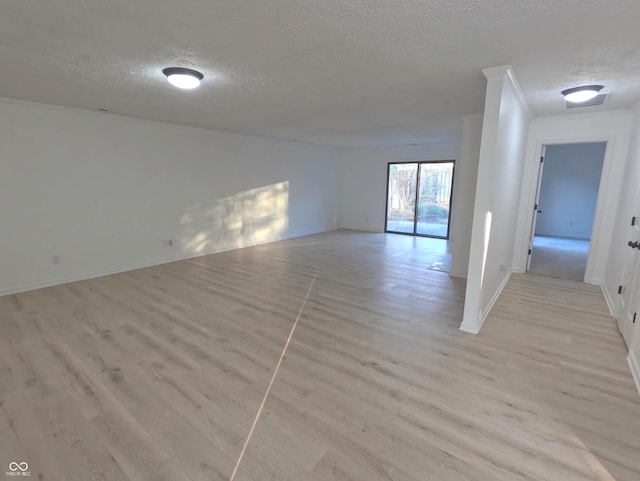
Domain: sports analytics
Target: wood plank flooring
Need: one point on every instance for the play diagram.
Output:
(157, 374)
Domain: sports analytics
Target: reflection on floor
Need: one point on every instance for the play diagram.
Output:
(432, 253)
(438, 229)
(557, 257)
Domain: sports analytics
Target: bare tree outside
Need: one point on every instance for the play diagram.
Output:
(402, 191)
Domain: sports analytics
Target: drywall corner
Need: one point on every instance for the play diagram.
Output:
(464, 191)
(504, 132)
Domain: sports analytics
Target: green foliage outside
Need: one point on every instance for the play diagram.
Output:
(433, 213)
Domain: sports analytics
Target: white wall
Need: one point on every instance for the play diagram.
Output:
(504, 132)
(569, 190)
(85, 193)
(611, 127)
(362, 175)
(464, 193)
(621, 257)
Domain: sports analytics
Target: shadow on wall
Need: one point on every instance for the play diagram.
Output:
(248, 218)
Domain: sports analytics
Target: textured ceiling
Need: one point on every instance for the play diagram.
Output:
(343, 73)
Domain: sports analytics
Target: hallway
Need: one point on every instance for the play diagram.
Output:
(563, 363)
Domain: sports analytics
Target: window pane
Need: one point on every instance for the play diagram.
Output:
(435, 195)
(401, 203)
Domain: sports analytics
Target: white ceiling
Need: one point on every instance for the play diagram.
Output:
(338, 72)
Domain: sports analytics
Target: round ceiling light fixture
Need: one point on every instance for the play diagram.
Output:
(183, 78)
(585, 93)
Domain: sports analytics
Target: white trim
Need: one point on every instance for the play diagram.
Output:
(483, 315)
(470, 329)
(506, 71)
(499, 71)
(516, 269)
(634, 365)
(493, 300)
(515, 85)
(461, 275)
(83, 277)
(608, 298)
(142, 265)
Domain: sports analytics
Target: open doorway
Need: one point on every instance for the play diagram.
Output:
(566, 199)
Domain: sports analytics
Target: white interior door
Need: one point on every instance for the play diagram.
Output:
(536, 210)
(631, 302)
(631, 287)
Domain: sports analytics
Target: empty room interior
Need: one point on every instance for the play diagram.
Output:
(565, 209)
(355, 241)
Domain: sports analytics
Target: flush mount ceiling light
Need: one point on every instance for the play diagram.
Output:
(581, 94)
(183, 78)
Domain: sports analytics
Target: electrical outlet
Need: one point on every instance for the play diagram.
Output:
(170, 242)
(503, 267)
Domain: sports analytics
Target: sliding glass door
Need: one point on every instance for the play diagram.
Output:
(419, 198)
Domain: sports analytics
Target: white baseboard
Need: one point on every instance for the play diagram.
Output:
(475, 329)
(461, 275)
(84, 277)
(142, 265)
(496, 295)
(609, 299)
(634, 365)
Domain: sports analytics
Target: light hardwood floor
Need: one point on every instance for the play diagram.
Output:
(157, 374)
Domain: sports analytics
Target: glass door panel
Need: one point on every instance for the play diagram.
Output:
(434, 201)
(401, 198)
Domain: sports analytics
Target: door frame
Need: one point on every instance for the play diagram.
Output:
(536, 209)
(415, 217)
(597, 245)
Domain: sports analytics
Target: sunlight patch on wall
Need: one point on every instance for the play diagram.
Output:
(485, 249)
(247, 218)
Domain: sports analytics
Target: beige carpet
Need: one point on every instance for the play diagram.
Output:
(557, 257)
